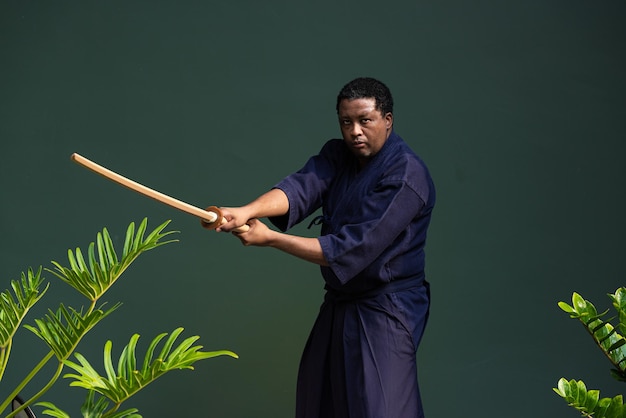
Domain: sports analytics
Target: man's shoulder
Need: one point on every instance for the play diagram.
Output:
(401, 156)
(333, 144)
(335, 150)
(403, 165)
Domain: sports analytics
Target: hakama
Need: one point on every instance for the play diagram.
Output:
(359, 360)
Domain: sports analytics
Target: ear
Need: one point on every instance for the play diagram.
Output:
(388, 120)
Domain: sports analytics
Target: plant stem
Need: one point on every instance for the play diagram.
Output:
(26, 380)
(112, 411)
(599, 344)
(4, 358)
(46, 388)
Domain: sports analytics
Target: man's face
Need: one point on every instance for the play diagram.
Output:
(364, 128)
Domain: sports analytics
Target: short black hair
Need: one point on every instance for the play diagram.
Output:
(366, 88)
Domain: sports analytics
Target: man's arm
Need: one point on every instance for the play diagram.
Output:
(260, 235)
(272, 203)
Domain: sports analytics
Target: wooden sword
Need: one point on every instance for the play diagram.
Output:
(210, 218)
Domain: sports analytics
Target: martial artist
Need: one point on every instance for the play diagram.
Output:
(376, 197)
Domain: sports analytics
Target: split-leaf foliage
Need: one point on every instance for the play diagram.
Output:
(92, 274)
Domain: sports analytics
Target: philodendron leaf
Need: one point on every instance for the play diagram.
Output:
(88, 411)
(121, 384)
(93, 276)
(62, 330)
(52, 410)
(14, 307)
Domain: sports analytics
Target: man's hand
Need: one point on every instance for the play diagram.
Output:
(272, 203)
(234, 217)
(258, 235)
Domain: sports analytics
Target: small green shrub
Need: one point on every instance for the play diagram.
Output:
(609, 340)
(92, 274)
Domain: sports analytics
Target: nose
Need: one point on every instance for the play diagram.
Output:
(355, 130)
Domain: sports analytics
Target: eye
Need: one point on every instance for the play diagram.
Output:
(365, 121)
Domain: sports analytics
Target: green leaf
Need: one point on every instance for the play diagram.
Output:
(567, 308)
(605, 335)
(615, 408)
(104, 267)
(92, 271)
(589, 402)
(619, 343)
(574, 388)
(592, 400)
(619, 303)
(618, 375)
(14, 307)
(52, 410)
(109, 249)
(579, 304)
(150, 353)
(601, 408)
(597, 327)
(562, 387)
(90, 409)
(120, 386)
(63, 329)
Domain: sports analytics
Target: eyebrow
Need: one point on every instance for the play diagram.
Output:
(366, 115)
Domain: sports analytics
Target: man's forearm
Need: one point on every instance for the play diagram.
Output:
(308, 249)
(272, 203)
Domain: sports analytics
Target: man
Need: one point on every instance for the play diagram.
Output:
(376, 197)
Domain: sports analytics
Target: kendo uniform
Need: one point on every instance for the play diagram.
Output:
(359, 360)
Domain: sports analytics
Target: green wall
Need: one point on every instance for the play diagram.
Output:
(517, 107)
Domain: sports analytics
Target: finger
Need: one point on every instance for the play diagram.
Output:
(243, 229)
(228, 224)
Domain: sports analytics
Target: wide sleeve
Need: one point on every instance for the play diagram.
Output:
(306, 188)
(383, 218)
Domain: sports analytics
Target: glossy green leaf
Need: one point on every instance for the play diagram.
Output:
(587, 402)
(591, 401)
(578, 302)
(613, 345)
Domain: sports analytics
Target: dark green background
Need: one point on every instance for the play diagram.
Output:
(518, 108)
